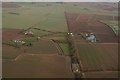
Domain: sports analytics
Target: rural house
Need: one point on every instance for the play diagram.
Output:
(91, 38)
(29, 33)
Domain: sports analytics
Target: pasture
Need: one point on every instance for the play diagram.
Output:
(42, 46)
(48, 16)
(114, 25)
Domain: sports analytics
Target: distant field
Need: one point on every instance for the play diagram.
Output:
(50, 16)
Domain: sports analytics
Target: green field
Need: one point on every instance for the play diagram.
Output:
(114, 25)
(65, 48)
(42, 47)
(48, 16)
(97, 57)
(39, 32)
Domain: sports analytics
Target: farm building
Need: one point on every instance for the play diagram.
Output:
(71, 34)
(91, 38)
(29, 33)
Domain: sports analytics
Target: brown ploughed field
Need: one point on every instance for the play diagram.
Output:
(82, 23)
(38, 66)
(100, 59)
(11, 34)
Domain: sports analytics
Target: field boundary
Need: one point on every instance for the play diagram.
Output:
(108, 27)
(60, 51)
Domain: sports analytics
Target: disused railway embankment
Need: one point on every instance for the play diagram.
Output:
(75, 62)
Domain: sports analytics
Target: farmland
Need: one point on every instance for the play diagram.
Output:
(17, 59)
(39, 46)
(96, 58)
(34, 66)
(86, 23)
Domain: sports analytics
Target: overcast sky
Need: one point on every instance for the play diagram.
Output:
(60, 0)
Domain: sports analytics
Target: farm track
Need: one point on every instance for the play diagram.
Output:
(26, 54)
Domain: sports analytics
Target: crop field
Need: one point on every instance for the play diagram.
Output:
(10, 53)
(34, 66)
(28, 16)
(42, 46)
(103, 74)
(82, 23)
(46, 53)
(38, 46)
(41, 60)
(40, 32)
(114, 25)
(98, 59)
(65, 48)
(11, 34)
